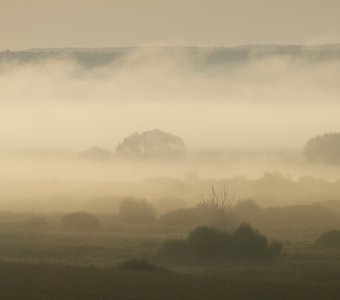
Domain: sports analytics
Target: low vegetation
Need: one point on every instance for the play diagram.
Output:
(206, 243)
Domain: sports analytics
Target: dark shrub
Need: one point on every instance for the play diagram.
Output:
(329, 239)
(136, 212)
(209, 242)
(249, 242)
(80, 221)
(141, 265)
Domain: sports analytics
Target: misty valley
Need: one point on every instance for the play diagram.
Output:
(170, 173)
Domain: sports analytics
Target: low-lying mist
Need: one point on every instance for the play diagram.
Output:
(241, 112)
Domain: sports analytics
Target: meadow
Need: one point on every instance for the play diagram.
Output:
(52, 263)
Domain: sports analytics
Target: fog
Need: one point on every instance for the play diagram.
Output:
(274, 102)
(239, 116)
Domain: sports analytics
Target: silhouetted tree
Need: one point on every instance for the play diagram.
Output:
(323, 148)
(151, 144)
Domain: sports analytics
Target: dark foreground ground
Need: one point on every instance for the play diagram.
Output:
(42, 281)
(53, 264)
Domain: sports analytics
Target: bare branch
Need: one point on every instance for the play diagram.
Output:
(216, 204)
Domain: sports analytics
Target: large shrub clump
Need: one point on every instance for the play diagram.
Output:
(211, 243)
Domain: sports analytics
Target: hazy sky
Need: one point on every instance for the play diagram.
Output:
(88, 23)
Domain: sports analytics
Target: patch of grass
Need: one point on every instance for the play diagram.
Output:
(43, 281)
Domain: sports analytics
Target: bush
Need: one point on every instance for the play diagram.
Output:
(80, 221)
(330, 239)
(249, 242)
(136, 212)
(209, 243)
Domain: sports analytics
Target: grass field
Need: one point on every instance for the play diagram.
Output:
(43, 281)
(56, 264)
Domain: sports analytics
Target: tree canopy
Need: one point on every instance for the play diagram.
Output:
(323, 148)
(152, 144)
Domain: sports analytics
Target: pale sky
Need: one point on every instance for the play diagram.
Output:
(104, 23)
